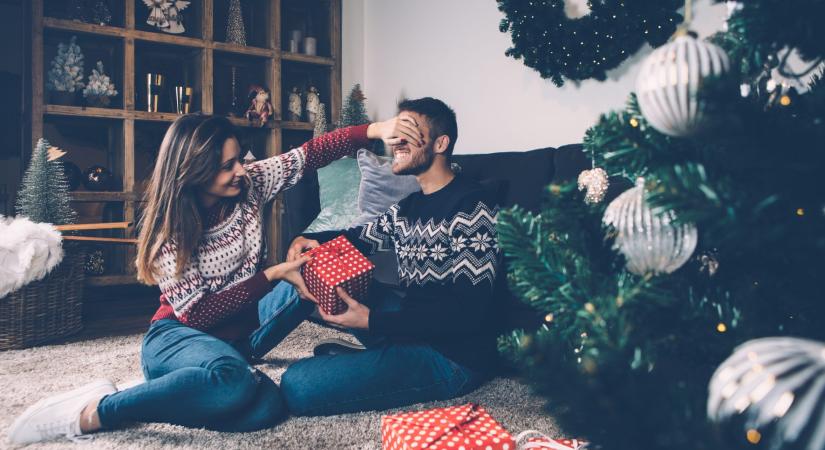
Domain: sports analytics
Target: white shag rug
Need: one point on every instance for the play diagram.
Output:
(28, 375)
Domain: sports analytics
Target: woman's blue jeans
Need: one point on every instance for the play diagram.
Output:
(197, 380)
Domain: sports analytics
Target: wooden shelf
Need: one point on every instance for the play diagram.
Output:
(154, 116)
(160, 38)
(103, 196)
(163, 38)
(307, 59)
(126, 138)
(170, 117)
(79, 111)
(297, 126)
(245, 123)
(111, 280)
(81, 27)
(244, 50)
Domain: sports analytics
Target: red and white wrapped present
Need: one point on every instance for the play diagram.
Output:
(532, 439)
(468, 426)
(337, 263)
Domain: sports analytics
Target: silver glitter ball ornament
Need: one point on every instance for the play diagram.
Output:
(669, 81)
(651, 242)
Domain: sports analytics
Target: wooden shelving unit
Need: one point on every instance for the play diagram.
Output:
(123, 136)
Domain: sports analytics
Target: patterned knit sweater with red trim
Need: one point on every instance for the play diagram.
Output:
(221, 284)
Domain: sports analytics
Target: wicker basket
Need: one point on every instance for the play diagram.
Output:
(47, 309)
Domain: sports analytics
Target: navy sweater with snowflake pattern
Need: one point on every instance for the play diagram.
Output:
(448, 259)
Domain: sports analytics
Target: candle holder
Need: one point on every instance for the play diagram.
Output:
(310, 46)
(183, 99)
(295, 38)
(154, 87)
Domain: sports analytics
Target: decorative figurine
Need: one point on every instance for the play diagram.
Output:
(174, 17)
(98, 178)
(313, 104)
(294, 105)
(157, 13)
(260, 108)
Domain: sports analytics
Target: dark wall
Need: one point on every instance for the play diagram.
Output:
(14, 54)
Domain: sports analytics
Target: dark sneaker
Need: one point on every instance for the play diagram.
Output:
(336, 347)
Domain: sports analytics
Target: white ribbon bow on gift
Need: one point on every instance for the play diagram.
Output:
(548, 443)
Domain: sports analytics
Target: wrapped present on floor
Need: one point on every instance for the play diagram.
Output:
(536, 440)
(337, 263)
(453, 428)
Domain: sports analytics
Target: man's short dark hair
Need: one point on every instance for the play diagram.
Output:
(440, 117)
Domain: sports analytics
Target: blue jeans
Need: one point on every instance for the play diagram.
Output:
(197, 380)
(385, 375)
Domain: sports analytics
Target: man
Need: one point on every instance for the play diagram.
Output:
(435, 339)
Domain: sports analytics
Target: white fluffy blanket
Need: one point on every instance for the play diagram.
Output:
(28, 251)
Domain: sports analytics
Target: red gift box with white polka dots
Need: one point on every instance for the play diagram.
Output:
(337, 263)
(466, 427)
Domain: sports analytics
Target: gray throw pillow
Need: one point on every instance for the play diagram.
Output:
(380, 188)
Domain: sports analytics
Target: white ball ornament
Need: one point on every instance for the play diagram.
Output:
(776, 388)
(669, 82)
(650, 241)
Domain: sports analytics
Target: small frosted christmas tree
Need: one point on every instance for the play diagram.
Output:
(100, 85)
(44, 193)
(101, 14)
(320, 121)
(354, 111)
(235, 31)
(66, 73)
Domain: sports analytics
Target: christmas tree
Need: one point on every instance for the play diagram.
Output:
(101, 14)
(354, 111)
(44, 192)
(633, 319)
(99, 85)
(320, 121)
(66, 72)
(235, 31)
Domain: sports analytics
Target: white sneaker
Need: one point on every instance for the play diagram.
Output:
(58, 415)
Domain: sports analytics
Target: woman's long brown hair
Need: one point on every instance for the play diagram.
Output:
(188, 161)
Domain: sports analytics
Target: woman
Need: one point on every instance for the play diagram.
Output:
(201, 240)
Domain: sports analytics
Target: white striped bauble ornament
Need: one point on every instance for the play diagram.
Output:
(774, 388)
(669, 82)
(651, 242)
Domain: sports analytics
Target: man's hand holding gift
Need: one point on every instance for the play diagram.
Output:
(356, 316)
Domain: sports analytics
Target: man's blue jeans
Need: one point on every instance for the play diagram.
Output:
(197, 380)
(385, 375)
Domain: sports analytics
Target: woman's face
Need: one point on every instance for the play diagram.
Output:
(230, 177)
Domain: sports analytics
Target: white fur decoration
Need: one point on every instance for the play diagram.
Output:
(669, 82)
(28, 251)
